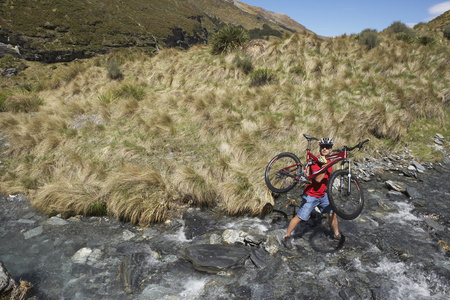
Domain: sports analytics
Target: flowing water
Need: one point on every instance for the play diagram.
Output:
(396, 249)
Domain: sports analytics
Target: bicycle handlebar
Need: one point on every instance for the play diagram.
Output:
(359, 146)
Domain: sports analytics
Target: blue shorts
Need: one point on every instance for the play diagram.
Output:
(310, 202)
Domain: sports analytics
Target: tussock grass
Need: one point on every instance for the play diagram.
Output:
(184, 128)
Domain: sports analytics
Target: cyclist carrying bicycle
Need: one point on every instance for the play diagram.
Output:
(315, 194)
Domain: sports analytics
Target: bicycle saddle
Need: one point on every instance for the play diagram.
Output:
(308, 137)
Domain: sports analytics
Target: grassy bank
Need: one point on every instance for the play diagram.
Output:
(141, 138)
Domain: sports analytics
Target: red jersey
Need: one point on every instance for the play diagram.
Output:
(318, 189)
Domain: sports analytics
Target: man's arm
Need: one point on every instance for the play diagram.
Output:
(319, 177)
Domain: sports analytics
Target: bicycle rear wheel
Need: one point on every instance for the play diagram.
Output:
(281, 172)
(346, 202)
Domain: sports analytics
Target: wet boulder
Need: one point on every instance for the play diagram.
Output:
(215, 258)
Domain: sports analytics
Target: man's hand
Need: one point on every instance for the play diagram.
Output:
(322, 160)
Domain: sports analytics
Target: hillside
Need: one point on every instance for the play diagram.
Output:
(56, 30)
(142, 137)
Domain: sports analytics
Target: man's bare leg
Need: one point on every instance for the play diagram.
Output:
(294, 222)
(332, 220)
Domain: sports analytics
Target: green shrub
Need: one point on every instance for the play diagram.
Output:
(406, 37)
(369, 38)
(245, 63)
(98, 208)
(447, 32)
(9, 61)
(21, 101)
(129, 90)
(261, 77)
(114, 72)
(228, 38)
(299, 70)
(398, 27)
(425, 40)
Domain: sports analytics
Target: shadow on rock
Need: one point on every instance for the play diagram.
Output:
(321, 241)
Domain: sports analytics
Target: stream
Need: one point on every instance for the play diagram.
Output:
(396, 249)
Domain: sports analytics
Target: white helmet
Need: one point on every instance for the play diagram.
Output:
(326, 141)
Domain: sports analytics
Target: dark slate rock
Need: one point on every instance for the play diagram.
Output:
(198, 223)
(347, 293)
(215, 258)
(260, 257)
(413, 193)
(395, 196)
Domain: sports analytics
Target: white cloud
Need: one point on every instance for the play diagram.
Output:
(439, 9)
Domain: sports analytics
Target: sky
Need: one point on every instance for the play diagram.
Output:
(338, 17)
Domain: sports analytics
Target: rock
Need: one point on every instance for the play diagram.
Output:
(271, 245)
(397, 186)
(232, 236)
(56, 221)
(155, 291)
(33, 232)
(215, 239)
(259, 257)
(434, 224)
(127, 235)
(170, 258)
(395, 196)
(413, 193)
(254, 239)
(439, 136)
(6, 281)
(215, 258)
(420, 168)
(9, 72)
(81, 256)
(410, 173)
(348, 293)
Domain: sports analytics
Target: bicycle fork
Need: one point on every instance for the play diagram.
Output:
(349, 177)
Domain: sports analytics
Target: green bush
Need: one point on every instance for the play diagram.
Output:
(244, 63)
(261, 77)
(228, 38)
(299, 70)
(114, 72)
(98, 208)
(425, 40)
(398, 27)
(369, 38)
(447, 32)
(21, 101)
(406, 37)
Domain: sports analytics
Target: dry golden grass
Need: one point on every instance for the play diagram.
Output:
(19, 291)
(184, 128)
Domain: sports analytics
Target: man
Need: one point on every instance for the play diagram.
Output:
(315, 194)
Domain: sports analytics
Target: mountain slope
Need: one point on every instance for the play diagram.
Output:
(61, 30)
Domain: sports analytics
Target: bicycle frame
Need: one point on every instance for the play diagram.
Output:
(334, 159)
(340, 156)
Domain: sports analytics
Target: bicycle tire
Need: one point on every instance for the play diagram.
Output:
(347, 206)
(282, 182)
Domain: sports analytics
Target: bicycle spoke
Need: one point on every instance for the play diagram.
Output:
(281, 173)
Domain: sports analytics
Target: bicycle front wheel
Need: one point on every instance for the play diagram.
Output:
(281, 172)
(345, 195)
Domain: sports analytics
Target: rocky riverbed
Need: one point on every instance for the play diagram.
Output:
(398, 248)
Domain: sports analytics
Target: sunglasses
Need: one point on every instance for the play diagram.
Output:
(326, 147)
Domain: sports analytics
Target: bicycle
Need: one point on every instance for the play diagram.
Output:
(345, 194)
